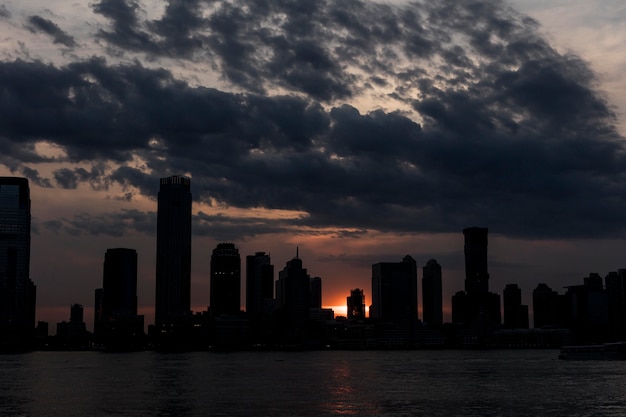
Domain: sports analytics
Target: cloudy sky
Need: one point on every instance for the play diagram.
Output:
(355, 130)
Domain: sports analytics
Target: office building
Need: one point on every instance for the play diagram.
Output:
(17, 291)
(315, 292)
(515, 313)
(259, 282)
(476, 303)
(476, 272)
(116, 320)
(432, 296)
(394, 291)
(225, 280)
(173, 256)
(546, 307)
(293, 294)
(356, 304)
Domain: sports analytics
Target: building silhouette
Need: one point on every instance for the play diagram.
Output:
(476, 305)
(225, 280)
(394, 291)
(73, 334)
(315, 292)
(515, 313)
(293, 297)
(547, 307)
(615, 283)
(117, 324)
(17, 291)
(356, 304)
(432, 296)
(173, 255)
(259, 282)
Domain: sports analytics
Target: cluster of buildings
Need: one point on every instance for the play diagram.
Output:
(287, 312)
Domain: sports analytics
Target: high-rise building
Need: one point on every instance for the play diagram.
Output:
(17, 291)
(476, 272)
(116, 321)
(356, 304)
(432, 304)
(476, 303)
(616, 293)
(394, 291)
(515, 313)
(173, 257)
(315, 292)
(225, 280)
(293, 294)
(259, 282)
(119, 283)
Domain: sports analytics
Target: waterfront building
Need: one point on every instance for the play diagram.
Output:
(476, 303)
(394, 291)
(432, 296)
(259, 282)
(17, 291)
(225, 280)
(173, 255)
(356, 304)
(515, 313)
(117, 322)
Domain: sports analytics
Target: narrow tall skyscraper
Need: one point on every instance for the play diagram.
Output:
(173, 258)
(476, 272)
(432, 304)
(17, 291)
(259, 282)
(225, 280)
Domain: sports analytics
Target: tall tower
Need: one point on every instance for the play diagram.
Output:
(225, 280)
(293, 293)
(515, 313)
(476, 275)
(173, 257)
(432, 304)
(259, 282)
(17, 291)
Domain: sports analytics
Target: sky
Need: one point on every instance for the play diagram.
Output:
(356, 131)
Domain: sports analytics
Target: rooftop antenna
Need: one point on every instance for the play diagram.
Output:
(297, 252)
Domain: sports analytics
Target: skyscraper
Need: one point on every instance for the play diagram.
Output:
(394, 291)
(117, 324)
(173, 257)
(476, 302)
(476, 275)
(293, 293)
(225, 280)
(432, 304)
(259, 282)
(17, 291)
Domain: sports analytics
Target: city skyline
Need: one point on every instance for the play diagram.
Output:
(359, 132)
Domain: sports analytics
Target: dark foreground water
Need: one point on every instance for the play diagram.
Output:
(406, 383)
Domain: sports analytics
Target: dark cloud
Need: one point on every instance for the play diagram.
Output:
(498, 128)
(39, 24)
(4, 12)
(35, 178)
(121, 223)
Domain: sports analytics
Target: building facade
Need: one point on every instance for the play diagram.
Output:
(394, 291)
(173, 257)
(225, 280)
(259, 282)
(432, 296)
(17, 291)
